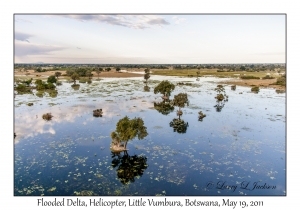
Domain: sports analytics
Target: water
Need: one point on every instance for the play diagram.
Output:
(240, 150)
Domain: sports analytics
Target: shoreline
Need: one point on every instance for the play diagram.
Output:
(263, 83)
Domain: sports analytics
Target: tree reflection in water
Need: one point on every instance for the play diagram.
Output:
(129, 167)
(164, 107)
(179, 125)
(146, 88)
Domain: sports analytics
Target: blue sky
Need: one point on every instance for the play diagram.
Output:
(139, 39)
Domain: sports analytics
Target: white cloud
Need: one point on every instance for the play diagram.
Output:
(178, 20)
(24, 49)
(130, 21)
(22, 36)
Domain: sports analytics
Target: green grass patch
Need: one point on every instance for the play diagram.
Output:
(249, 77)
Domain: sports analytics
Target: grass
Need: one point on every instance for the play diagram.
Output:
(207, 72)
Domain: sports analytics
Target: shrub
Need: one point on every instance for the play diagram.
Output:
(47, 116)
(249, 77)
(268, 77)
(51, 79)
(255, 89)
(280, 81)
(97, 113)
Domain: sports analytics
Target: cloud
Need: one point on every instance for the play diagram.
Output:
(130, 21)
(24, 49)
(178, 20)
(22, 36)
(22, 20)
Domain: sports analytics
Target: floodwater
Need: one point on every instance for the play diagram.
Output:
(238, 150)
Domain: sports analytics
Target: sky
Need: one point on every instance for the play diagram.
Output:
(148, 39)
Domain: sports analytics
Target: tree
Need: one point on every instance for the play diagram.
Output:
(165, 88)
(108, 69)
(98, 71)
(221, 97)
(180, 100)
(57, 74)
(118, 69)
(147, 75)
(51, 79)
(74, 77)
(89, 74)
(126, 130)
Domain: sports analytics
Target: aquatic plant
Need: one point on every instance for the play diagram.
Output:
(201, 116)
(30, 104)
(47, 116)
(126, 130)
(165, 87)
(233, 87)
(97, 113)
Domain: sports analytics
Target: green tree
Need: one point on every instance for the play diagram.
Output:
(180, 100)
(147, 75)
(108, 69)
(118, 69)
(57, 74)
(165, 88)
(51, 79)
(98, 71)
(89, 74)
(126, 130)
(74, 77)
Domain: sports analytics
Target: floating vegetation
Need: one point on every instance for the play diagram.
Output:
(97, 113)
(201, 116)
(52, 189)
(233, 87)
(30, 104)
(47, 116)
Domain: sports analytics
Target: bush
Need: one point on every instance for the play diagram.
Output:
(249, 77)
(47, 116)
(51, 79)
(268, 77)
(255, 89)
(280, 81)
